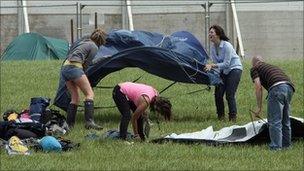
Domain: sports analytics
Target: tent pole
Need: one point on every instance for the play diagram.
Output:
(237, 26)
(123, 14)
(20, 18)
(209, 4)
(130, 16)
(95, 20)
(206, 27)
(167, 87)
(77, 19)
(80, 19)
(72, 31)
(25, 17)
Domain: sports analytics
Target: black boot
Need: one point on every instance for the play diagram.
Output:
(123, 127)
(88, 115)
(232, 117)
(221, 117)
(71, 115)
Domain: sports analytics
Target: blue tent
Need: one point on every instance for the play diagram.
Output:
(178, 57)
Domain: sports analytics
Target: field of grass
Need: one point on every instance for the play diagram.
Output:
(21, 80)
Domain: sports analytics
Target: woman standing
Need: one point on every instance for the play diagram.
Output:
(229, 64)
(138, 97)
(79, 57)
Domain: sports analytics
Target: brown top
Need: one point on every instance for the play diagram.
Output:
(269, 75)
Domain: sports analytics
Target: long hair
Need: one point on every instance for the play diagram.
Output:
(163, 106)
(99, 36)
(220, 32)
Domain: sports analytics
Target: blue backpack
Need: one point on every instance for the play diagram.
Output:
(37, 107)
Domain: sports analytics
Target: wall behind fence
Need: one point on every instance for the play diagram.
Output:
(274, 32)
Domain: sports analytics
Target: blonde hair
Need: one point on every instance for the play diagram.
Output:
(99, 36)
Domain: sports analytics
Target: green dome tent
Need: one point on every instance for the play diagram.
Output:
(33, 46)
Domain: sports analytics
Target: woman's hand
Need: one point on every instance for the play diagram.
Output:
(208, 67)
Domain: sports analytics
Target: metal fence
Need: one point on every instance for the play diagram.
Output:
(263, 30)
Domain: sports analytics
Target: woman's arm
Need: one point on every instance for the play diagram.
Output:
(141, 108)
(228, 52)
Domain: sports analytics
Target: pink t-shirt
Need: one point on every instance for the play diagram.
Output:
(133, 91)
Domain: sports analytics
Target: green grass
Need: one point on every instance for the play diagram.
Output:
(21, 80)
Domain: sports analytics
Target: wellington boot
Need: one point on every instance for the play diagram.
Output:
(71, 115)
(88, 114)
(232, 117)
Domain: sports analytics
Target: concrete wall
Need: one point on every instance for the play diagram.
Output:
(274, 31)
(273, 34)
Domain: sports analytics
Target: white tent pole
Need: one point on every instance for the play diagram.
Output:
(25, 16)
(123, 14)
(237, 26)
(130, 17)
(20, 18)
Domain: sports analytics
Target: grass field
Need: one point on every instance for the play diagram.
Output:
(22, 80)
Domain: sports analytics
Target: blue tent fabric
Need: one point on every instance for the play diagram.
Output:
(177, 57)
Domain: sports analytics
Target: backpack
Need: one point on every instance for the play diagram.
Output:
(38, 106)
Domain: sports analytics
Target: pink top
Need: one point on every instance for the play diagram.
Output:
(133, 91)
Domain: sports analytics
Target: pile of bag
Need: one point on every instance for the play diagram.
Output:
(36, 122)
(37, 126)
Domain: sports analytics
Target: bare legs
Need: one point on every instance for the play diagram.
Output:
(83, 84)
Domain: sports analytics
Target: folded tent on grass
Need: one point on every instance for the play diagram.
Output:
(34, 46)
(254, 132)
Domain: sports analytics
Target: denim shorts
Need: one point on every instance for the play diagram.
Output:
(71, 72)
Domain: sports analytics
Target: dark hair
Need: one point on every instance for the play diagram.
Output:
(163, 106)
(99, 37)
(219, 31)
